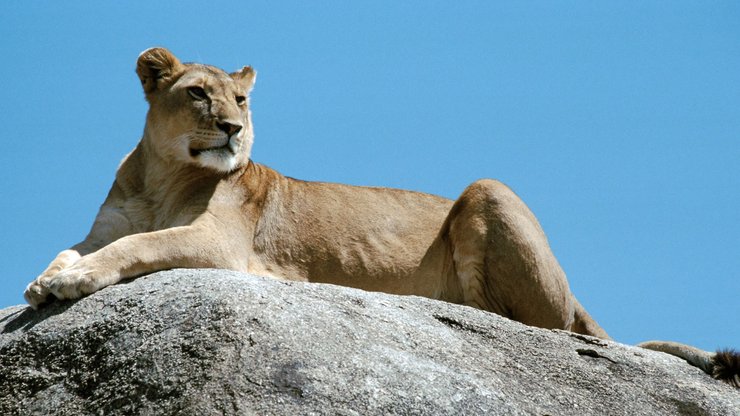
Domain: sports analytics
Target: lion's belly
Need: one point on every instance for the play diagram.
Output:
(380, 262)
(373, 239)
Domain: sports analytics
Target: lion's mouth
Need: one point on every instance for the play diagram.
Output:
(198, 152)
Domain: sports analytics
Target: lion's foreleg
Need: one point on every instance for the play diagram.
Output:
(139, 254)
(110, 224)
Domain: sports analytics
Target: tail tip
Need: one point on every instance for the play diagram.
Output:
(726, 366)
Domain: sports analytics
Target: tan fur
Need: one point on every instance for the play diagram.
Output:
(696, 357)
(175, 203)
(723, 365)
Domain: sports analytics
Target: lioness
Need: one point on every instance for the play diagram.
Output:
(188, 195)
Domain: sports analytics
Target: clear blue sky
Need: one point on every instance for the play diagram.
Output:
(617, 122)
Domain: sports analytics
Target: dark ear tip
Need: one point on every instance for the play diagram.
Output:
(246, 71)
(157, 57)
(247, 74)
(154, 51)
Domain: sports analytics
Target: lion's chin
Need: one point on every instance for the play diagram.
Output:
(221, 159)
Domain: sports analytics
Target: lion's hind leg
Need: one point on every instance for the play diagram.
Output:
(503, 262)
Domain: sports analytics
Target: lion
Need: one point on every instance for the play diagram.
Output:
(189, 196)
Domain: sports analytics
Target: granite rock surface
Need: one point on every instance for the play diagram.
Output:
(212, 342)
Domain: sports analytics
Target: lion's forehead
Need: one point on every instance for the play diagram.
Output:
(206, 76)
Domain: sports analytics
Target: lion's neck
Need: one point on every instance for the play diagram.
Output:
(163, 188)
(152, 177)
(257, 180)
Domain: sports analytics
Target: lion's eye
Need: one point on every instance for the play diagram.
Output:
(198, 93)
(241, 100)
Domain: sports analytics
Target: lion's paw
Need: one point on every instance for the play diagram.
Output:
(74, 282)
(70, 283)
(36, 292)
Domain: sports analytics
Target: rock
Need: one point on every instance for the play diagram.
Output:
(204, 342)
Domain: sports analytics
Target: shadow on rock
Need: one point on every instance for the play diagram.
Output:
(28, 317)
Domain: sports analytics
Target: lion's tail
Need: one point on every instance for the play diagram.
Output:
(584, 324)
(723, 365)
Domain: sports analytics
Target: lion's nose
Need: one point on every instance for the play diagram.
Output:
(229, 128)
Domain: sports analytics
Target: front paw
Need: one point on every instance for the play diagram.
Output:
(37, 293)
(73, 282)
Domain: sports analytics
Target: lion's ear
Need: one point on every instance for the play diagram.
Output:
(245, 77)
(155, 67)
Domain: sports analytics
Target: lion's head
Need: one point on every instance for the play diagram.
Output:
(198, 114)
